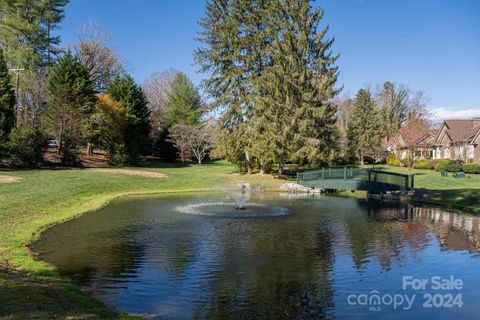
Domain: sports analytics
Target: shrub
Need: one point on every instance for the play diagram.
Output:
(396, 163)
(471, 168)
(391, 158)
(449, 165)
(442, 164)
(421, 164)
(117, 155)
(407, 162)
(454, 166)
(433, 163)
(26, 147)
(69, 149)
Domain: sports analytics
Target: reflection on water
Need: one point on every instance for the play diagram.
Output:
(142, 255)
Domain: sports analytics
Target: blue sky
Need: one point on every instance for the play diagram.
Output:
(429, 45)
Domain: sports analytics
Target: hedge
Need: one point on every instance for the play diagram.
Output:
(443, 164)
(471, 168)
(396, 163)
(421, 164)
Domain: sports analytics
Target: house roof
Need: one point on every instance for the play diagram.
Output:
(461, 130)
(388, 143)
(414, 132)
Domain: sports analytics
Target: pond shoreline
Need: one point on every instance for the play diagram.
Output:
(44, 198)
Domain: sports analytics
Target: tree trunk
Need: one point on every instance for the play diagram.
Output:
(281, 166)
(361, 159)
(248, 163)
(89, 149)
(262, 167)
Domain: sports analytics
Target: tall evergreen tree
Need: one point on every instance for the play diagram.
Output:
(26, 31)
(364, 127)
(137, 129)
(232, 53)
(72, 100)
(298, 86)
(7, 101)
(272, 74)
(184, 101)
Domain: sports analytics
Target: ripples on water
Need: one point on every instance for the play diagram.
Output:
(163, 258)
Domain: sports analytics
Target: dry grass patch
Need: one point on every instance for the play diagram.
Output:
(128, 172)
(9, 179)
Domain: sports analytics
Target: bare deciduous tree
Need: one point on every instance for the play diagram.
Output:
(103, 63)
(399, 104)
(196, 140)
(157, 88)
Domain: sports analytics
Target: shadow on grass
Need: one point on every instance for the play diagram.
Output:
(467, 200)
(30, 296)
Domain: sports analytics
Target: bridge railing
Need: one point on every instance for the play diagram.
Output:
(402, 181)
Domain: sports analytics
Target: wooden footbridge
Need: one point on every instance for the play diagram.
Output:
(351, 178)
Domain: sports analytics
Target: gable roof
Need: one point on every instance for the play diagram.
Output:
(476, 137)
(414, 132)
(462, 130)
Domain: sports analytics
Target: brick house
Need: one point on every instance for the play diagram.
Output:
(458, 140)
(415, 140)
(455, 140)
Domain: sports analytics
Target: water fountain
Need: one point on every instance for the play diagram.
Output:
(236, 204)
(243, 196)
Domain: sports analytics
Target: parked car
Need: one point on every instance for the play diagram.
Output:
(53, 143)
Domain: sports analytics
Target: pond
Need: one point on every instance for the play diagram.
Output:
(283, 257)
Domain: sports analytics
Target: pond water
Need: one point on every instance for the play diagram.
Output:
(308, 257)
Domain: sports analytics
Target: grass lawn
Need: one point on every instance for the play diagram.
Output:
(36, 199)
(31, 289)
(461, 194)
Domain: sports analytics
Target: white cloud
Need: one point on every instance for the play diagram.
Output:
(450, 113)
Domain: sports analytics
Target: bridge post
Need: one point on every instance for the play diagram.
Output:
(323, 173)
(412, 183)
(345, 173)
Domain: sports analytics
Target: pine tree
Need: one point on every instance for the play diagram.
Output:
(272, 75)
(72, 100)
(364, 127)
(184, 101)
(232, 54)
(137, 129)
(26, 31)
(7, 101)
(296, 89)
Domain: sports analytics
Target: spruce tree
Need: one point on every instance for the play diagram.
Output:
(296, 89)
(364, 127)
(273, 77)
(7, 101)
(184, 101)
(137, 129)
(72, 100)
(232, 53)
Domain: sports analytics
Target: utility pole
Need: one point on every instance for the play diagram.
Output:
(17, 72)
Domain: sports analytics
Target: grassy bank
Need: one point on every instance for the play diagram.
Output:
(30, 289)
(30, 201)
(459, 194)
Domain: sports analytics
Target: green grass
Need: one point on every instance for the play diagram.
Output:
(459, 194)
(30, 289)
